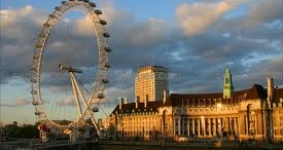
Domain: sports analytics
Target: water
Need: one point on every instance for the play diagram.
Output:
(115, 147)
(169, 148)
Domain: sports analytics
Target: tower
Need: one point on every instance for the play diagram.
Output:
(228, 84)
(150, 83)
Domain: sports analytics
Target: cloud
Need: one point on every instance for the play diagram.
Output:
(263, 11)
(66, 44)
(18, 103)
(22, 102)
(196, 50)
(113, 94)
(70, 101)
(262, 20)
(196, 18)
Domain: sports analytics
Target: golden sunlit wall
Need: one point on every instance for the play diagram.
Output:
(150, 82)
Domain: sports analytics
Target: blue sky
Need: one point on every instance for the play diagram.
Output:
(195, 39)
(141, 9)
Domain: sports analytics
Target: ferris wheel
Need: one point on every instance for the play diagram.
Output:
(86, 106)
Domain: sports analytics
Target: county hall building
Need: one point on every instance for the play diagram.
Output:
(254, 113)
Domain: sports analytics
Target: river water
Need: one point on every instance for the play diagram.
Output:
(169, 148)
(103, 147)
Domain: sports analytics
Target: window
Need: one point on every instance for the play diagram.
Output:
(227, 80)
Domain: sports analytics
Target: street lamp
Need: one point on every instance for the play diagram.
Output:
(218, 105)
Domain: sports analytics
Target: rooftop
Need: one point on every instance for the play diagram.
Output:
(181, 99)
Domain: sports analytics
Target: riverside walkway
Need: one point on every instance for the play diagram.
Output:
(192, 145)
(37, 145)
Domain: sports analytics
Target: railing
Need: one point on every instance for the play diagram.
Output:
(59, 144)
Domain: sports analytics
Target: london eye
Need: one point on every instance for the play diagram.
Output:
(86, 105)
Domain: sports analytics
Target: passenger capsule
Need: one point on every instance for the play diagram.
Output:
(38, 113)
(100, 96)
(92, 4)
(38, 45)
(57, 8)
(42, 35)
(107, 49)
(102, 22)
(36, 57)
(52, 16)
(46, 25)
(107, 35)
(98, 12)
(33, 92)
(107, 65)
(33, 80)
(95, 109)
(33, 68)
(35, 103)
(105, 81)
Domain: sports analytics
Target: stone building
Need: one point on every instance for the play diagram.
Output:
(255, 113)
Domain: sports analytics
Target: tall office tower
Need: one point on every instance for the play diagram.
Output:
(150, 83)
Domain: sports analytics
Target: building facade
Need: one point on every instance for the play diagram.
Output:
(150, 82)
(255, 113)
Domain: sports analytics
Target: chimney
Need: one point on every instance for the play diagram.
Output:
(137, 101)
(270, 88)
(145, 102)
(121, 103)
(164, 96)
(126, 101)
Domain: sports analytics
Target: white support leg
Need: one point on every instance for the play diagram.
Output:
(75, 94)
(85, 104)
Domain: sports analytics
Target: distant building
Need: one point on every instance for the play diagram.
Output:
(251, 114)
(150, 82)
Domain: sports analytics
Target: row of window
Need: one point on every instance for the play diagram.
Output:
(137, 133)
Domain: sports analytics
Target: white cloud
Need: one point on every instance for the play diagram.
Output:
(195, 18)
(85, 26)
(115, 16)
(18, 103)
(66, 102)
(22, 102)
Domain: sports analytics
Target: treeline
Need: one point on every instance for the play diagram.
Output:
(24, 131)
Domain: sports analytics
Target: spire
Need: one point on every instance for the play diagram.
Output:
(228, 84)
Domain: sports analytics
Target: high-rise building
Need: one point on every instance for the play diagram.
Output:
(150, 83)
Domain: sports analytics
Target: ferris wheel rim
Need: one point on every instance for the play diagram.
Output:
(103, 59)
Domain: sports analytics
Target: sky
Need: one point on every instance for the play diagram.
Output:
(195, 39)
